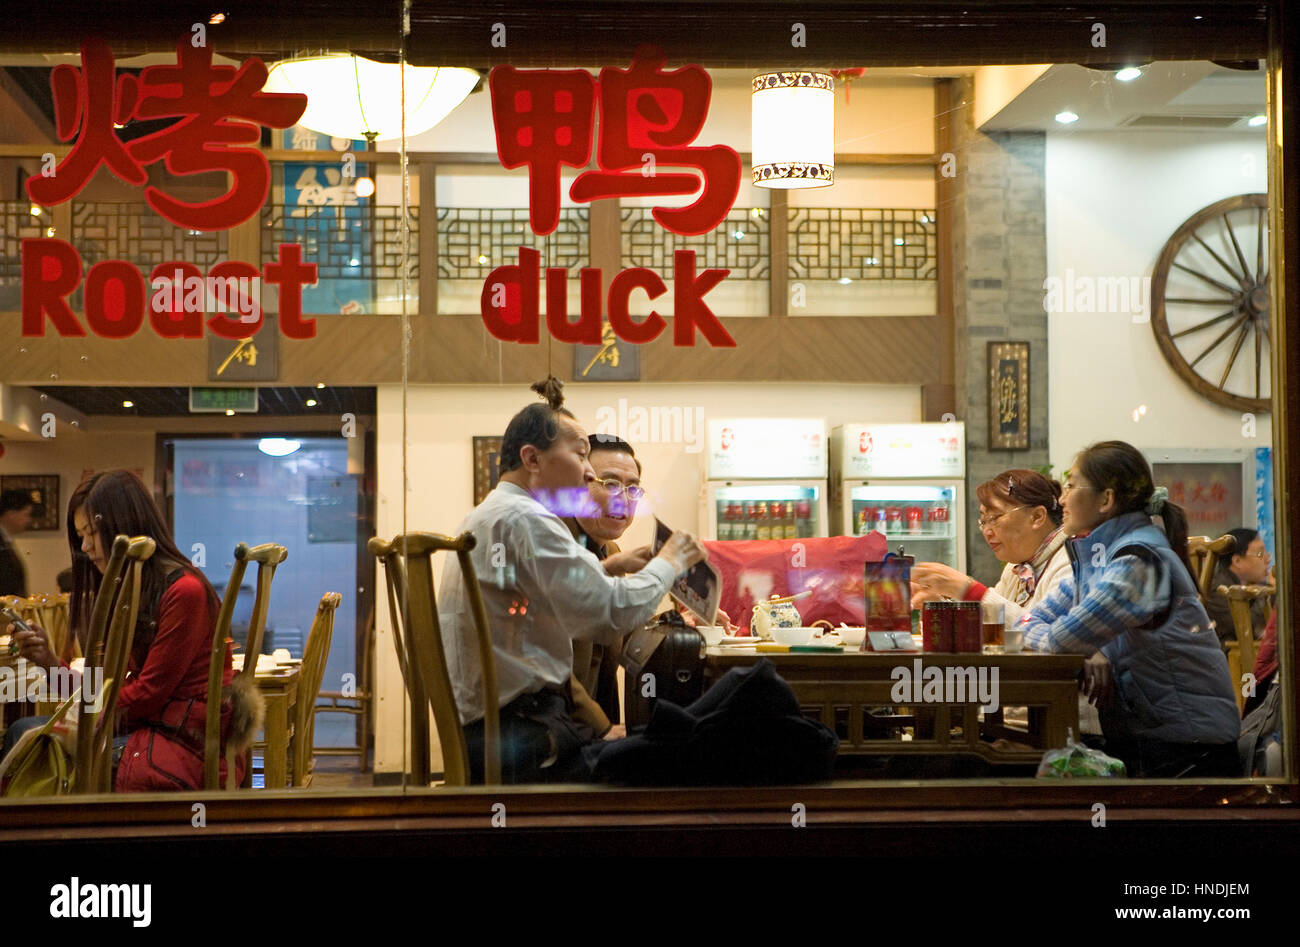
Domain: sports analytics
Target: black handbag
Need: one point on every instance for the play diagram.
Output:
(664, 659)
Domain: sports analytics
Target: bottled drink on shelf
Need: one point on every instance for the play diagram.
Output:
(725, 522)
(763, 522)
(803, 519)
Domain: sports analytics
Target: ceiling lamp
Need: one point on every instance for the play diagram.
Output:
(278, 446)
(793, 129)
(351, 97)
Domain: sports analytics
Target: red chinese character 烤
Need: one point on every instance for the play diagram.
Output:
(216, 107)
(648, 117)
(1218, 493)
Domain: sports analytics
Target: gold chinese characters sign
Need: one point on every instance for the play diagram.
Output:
(1008, 396)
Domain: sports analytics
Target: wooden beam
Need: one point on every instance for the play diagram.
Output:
(940, 397)
(428, 242)
(778, 231)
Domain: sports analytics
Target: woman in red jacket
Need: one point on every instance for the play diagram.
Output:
(162, 705)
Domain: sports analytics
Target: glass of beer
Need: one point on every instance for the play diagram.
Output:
(992, 617)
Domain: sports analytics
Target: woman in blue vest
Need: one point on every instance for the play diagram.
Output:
(1155, 665)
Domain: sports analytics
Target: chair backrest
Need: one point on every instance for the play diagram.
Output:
(267, 556)
(108, 648)
(312, 671)
(51, 613)
(1239, 599)
(408, 564)
(1204, 553)
(396, 581)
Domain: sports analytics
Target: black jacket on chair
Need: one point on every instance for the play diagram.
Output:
(13, 577)
(745, 730)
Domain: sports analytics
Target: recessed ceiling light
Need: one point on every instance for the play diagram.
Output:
(230, 413)
(128, 404)
(311, 402)
(364, 187)
(216, 18)
(899, 241)
(1128, 74)
(320, 384)
(1257, 120)
(1067, 117)
(35, 211)
(844, 281)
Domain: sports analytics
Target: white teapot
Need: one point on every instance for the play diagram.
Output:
(777, 612)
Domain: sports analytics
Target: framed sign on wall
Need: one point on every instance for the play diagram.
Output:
(1008, 395)
(44, 491)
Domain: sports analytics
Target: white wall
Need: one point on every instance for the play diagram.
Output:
(1113, 200)
(69, 455)
(441, 420)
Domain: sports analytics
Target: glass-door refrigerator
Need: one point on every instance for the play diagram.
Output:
(765, 478)
(906, 481)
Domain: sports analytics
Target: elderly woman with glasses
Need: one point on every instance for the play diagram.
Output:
(1020, 517)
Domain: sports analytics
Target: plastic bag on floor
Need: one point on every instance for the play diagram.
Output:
(1076, 761)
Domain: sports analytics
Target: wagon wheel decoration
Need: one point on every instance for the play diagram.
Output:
(1210, 302)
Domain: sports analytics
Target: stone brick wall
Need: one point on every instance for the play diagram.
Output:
(1000, 263)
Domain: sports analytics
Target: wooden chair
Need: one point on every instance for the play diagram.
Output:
(357, 701)
(417, 634)
(267, 556)
(1242, 652)
(314, 657)
(1204, 553)
(108, 647)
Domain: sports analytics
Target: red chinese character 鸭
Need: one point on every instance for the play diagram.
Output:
(543, 119)
(648, 117)
(648, 113)
(216, 107)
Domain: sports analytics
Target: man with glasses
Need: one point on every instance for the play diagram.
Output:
(614, 493)
(1246, 564)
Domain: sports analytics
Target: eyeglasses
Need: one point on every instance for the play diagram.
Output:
(615, 487)
(986, 521)
(1262, 554)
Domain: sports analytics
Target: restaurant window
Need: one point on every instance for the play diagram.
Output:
(1014, 261)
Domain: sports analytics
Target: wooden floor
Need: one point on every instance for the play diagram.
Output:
(339, 772)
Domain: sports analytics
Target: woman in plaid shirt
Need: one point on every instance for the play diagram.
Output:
(1155, 667)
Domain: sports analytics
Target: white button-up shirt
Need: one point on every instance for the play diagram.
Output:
(540, 591)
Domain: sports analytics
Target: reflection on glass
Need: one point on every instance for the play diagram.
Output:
(1128, 248)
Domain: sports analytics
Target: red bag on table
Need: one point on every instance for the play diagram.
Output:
(831, 567)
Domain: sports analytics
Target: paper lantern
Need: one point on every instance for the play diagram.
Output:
(793, 129)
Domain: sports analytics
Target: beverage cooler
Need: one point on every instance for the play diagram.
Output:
(765, 478)
(906, 481)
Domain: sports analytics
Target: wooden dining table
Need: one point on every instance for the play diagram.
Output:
(852, 693)
(279, 687)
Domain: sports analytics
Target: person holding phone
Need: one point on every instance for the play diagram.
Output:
(162, 705)
(541, 591)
